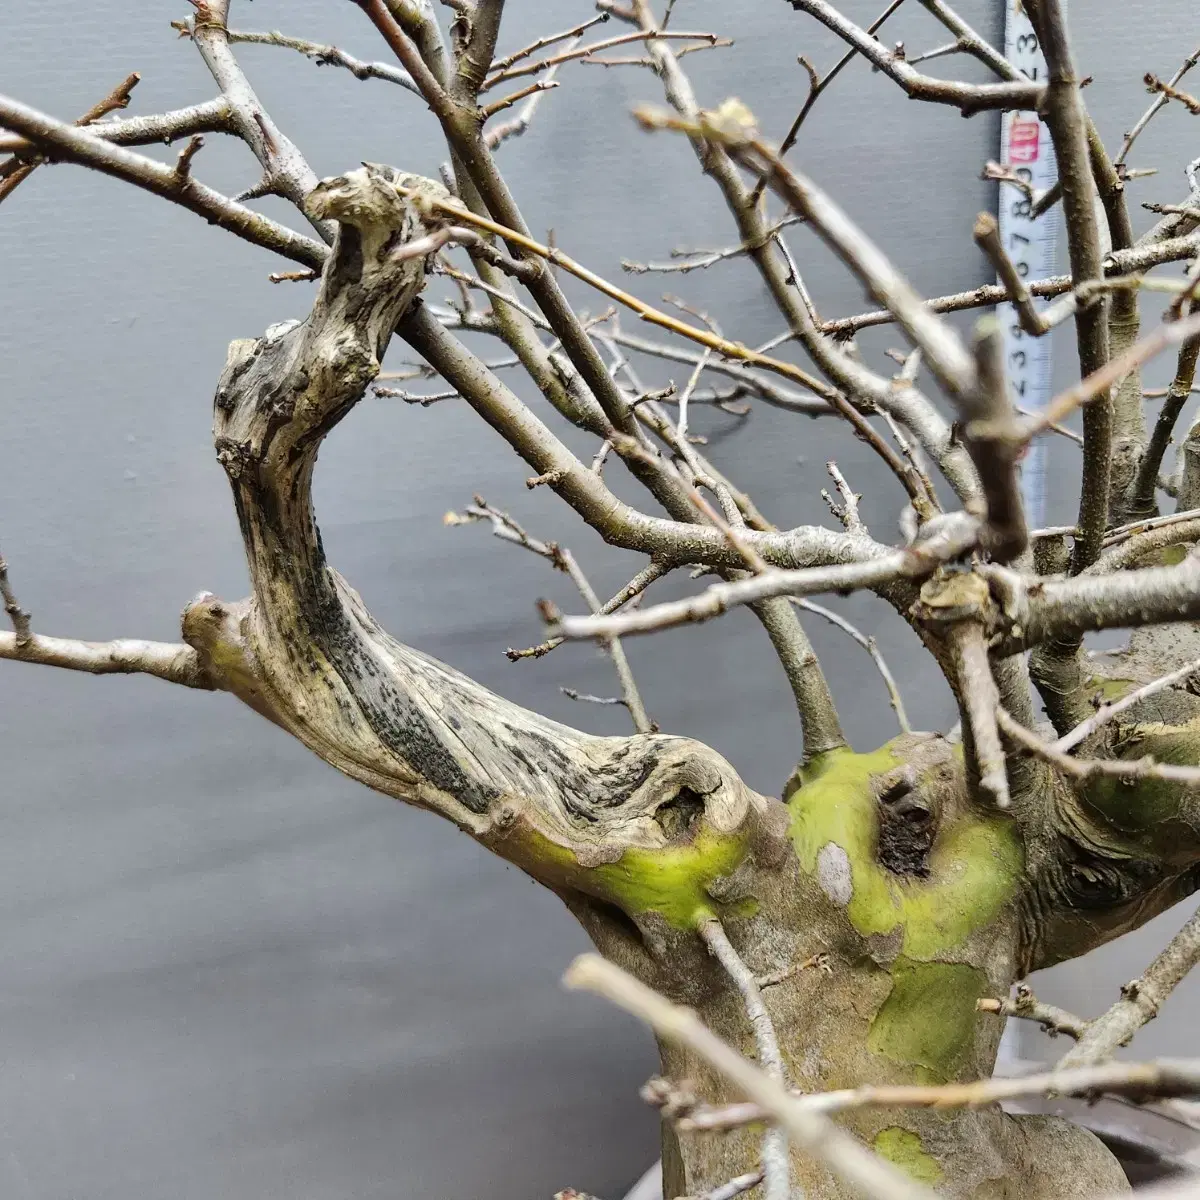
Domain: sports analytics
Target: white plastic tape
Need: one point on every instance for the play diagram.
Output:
(1027, 150)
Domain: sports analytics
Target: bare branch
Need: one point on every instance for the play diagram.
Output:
(870, 645)
(735, 1187)
(992, 439)
(183, 162)
(80, 146)
(1138, 258)
(1067, 607)
(1066, 119)
(980, 699)
(1028, 1007)
(967, 97)
(958, 535)
(1091, 768)
(987, 238)
(322, 55)
(213, 116)
(1129, 545)
(1140, 1081)
(1140, 1000)
(125, 656)
(1177, 393)
(1106, 712)
(770, 1059)
(490, 110)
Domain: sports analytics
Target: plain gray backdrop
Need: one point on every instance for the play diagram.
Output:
(224, 969)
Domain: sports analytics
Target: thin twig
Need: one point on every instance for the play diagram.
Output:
(1099, 382)
(1140, 1081)
(737, 1186)
(16, 171)
(621, 39)
(501, 64)
(16, 614)
(967, 97)
(542, 85)
(515, 127)
(816, 85)
(870, 645)
(1140, 1000)
(1028, 1007)
(632, 591)
(704, 337)
(1084, 769)
(322, 55)
(1106, 712)
(774, 1148)
(588, 698)
(1160, 101)
(505, 528)
(697, 260)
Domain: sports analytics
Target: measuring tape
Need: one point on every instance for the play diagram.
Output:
(1026, 148)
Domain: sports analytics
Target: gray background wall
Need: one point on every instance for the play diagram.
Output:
(225, 970)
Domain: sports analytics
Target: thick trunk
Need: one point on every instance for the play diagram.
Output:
(902, 907)
(904, 904)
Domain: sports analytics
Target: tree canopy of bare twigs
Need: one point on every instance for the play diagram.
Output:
(847, 952)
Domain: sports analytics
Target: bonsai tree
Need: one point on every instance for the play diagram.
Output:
(828, 970)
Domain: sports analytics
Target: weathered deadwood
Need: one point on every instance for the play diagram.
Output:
(304, 651)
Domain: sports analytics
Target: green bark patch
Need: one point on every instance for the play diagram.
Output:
(928, 1020)
(1147, 805)
(906, 1150)
(1110, 689)
(975, 863)
(671, 881)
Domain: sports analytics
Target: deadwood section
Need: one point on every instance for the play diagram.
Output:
(304, 651)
